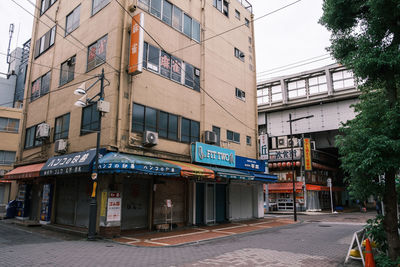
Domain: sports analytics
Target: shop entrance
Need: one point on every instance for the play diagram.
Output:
(220, 203)
(35, 201)
(200, 203)
(135, 204)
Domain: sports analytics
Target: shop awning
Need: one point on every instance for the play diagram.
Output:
(263, 177)
(313, 187)
(232, 174)
(126, 163)
(25, 172)
(191, 170)
(79, 162)
(285, 187)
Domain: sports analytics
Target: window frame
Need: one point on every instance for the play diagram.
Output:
(88, 130)
(41, 90)
(102, 4)
(74, 25)
(45, 42)
(50, 4)
(217, 131)
(237, 14)
(63, 133)
(35, 142)
(237, 52)
(71, 73)
(240, 94)
(248, 140)
(235, 136)
(192, 138)
(3, 161)
(97, 55)
(7, 128)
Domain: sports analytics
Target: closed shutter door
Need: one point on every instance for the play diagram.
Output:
(246, 200)
(2, 190)
(66, 196)
(82, 203)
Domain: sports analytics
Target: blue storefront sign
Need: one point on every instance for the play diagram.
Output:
(215, 155)
(250, 164)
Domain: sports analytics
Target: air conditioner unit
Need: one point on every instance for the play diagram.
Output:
(282, 142)
(295, 142)
(150, 138)
(312, 144)
(273, 143)
(210, 137)
(60, 146)
(42, 131)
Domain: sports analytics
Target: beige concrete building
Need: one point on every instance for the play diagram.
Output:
(197, 84)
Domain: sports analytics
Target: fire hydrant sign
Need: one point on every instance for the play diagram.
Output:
(114, 207)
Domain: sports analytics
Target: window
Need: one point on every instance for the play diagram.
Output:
(155, 8)
(247, 22)
(276, 93)
(7, 157)
(97, 53)
(232, 136)
(146, 118)
(171, 67)
(177, 18)
(297, 88)
(30, 138)
(40, 86)
(46, 4)
(248, 140)
(342, 79)
(45, 42)
(61, 127)
(317, 84)
(237, 14)
(196, 31)
(217, 131)
(167, 12)
(222, 6)
(225, 10)
(90, 119)
(187, 25)
(9, 125)
(144, 4)
(240, 94)
(262, 96)
(67, 71)
(190, 131)
(239, 54)
(98, 5)
(72, 20)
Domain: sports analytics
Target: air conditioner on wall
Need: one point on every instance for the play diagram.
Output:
(150, 138)
(282, 142)
(210, 137)
(42, 131)
(60, 146)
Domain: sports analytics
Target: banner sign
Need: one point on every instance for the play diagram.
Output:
(136, 45)
(114, 207)
(307, 154)
(263, 146)
(284, 154)
(250, 164)
(215, 155)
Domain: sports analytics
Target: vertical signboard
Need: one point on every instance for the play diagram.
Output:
(114, 207)
(307, 154)
(136, 45)
(263, 146)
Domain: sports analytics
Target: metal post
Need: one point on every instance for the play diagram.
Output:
(293, 172)
(93, 200)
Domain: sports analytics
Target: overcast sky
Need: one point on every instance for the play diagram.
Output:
(288, 36)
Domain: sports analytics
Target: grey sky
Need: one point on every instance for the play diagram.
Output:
(285, 37)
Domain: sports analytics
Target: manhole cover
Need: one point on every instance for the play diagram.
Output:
(324, 225)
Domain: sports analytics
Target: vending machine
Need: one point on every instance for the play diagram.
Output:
(23, 203)
(47, 199)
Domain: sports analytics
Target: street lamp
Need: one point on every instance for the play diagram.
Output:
(102, 106)
(292, 152)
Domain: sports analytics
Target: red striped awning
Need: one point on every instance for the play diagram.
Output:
(191, 170)
(25, 172)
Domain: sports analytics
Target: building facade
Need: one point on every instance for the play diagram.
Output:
(319, 101)
(178, 75)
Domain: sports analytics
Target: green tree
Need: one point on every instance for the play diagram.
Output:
(365, 36)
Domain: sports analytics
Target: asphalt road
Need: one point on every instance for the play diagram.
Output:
(320, 240)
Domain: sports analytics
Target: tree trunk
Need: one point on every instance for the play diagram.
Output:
(390, 221)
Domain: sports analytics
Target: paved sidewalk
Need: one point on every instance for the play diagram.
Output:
(195, 235)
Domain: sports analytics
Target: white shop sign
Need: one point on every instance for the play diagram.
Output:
(114, 208)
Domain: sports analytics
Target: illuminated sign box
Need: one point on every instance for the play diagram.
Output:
(214, 155)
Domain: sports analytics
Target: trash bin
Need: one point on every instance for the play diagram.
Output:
(11, 209)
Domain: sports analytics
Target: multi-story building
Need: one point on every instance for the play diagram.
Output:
(322, 98)
(178, 74)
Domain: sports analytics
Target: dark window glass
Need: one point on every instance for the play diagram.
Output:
(61, 128)
(167, 12)
(185, 130)
(30, 137)
(73, 20)
(98, 5)
(145, 48)
(196, 80)
(45, 83)
(163, 124)
(155, 8)
(7, 157)
(154, 58)
(97, 53)
(247, 22)
(67, 71)
(248, 140)
(173, 127)
(189, 75)
(196, 31)
(187, 25)
(41, 86)
(194, 131)
(90, 119)
(232, 136)
(45, 4)
(165, 64)
(229, 135)
(236, 137)
(45, 42)
(9, 125)
(138, 118)
(177, 18)
(176, 69)
(217, 130)
(219, 5)
(150, 119)
(226, 8)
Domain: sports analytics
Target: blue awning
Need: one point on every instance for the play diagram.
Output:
(263, 177)
(231, 174)
(126, 163)
(80, 162)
